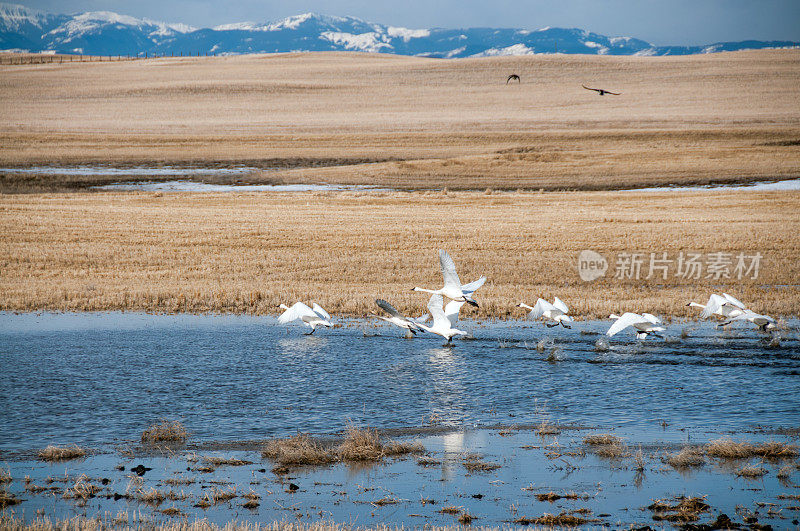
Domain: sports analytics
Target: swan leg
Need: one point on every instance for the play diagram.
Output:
(548, 325)
(312, 331)
(565, 326)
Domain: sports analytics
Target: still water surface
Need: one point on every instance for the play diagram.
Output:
(94, 379)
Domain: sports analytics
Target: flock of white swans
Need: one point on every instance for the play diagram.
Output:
(445, 317)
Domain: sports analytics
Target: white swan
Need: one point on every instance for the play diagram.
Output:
(443, 322)
(726, 306)
(398, 319)
(765, 323)
(311, 317)
(644, 324)
(453, 289)
(552, 314)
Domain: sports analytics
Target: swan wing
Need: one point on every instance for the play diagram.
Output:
(559, 304)
(713, 305)
(625, 320)
(319, 311)
(297, 311)
(540, 307)
(451, 311)
(469, 289)
(421, 319)
(733, 300)
(388, 308)
(435, 309)
(449, 271)
(650, 317)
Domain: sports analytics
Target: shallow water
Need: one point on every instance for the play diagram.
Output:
(94, 379)
(130, 171)
(191, 186)
(786, 185)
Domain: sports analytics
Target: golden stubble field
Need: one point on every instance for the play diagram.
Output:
(236, 252)
(416, 123)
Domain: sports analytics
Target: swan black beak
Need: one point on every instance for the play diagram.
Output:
(472, 303)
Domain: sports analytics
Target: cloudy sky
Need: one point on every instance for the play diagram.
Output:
(662, 22)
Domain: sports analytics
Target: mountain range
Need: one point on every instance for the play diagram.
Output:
(108, 33)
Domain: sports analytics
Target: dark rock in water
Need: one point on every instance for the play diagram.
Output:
(140, 469)
(104, 481)
(477, 496)
(262, 470)
(293, 487)
(118, 496)
(121, 468)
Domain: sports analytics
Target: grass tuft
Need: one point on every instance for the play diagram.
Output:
(59, 453)
(297, 450)
(165, 431)
(687, 458)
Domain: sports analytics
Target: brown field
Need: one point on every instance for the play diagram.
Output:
(414, 123)
(407, 123)
(238, 252)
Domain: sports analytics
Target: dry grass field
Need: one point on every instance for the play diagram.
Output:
(415, 123)
(410, 124)
(236, 252)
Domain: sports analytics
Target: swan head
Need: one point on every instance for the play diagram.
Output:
(283, 306)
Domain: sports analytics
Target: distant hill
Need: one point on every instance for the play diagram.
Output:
(108, 33)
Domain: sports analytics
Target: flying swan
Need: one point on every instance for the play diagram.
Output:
(644, 324)
(444, 320)
(552, 314)
(725, 306)
(398, 319)
(311, 317)
(453, 289)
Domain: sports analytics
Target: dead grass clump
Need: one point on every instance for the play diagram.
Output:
(465, 518)
(428, 461)
(360, 444)
(687, 509)
(59, 453)
(386, 500)
(297, 450)
(82, 489)
(172, 511)
(165, 431)
(562, 519)
(222, 461)
(5, 475)
(552, 496)
(216, 496)
(151, 497)
(474, 463)
(786, 471)
(396, 448)
(686, 458)
(546, 428)
(450, 509)
(611, 451)
(751, 471)
(179, 481)
(727, 448)
(603, 439)
(7, 499)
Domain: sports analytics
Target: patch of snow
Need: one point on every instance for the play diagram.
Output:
(646, 52)
(711, 49)
(615, 40)
(601, 50)
(239, 26)
(365, 42)
(407, 34)
(13, 16)
(523, 32)
(214, 48)
(514, 49)
(93, 20)
(453, 53)
(289, 22)
(546, 28)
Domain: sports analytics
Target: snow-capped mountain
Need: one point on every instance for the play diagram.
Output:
(107, 33)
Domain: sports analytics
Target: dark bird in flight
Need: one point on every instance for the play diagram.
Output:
(601, 91)
(512, 77)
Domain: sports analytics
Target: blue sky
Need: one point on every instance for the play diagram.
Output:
(662, 22)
